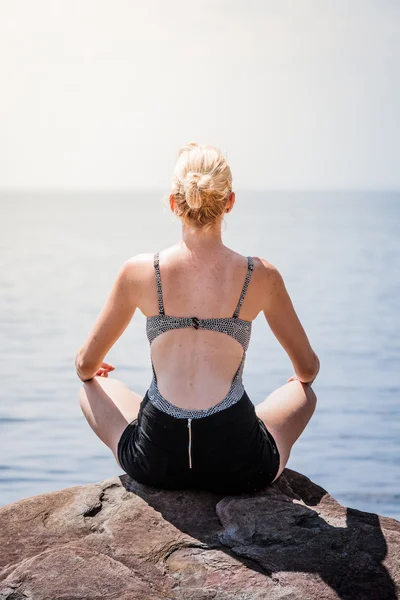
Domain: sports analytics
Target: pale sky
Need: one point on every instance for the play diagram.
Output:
(299, 94)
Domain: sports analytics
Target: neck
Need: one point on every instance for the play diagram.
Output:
(202, 243)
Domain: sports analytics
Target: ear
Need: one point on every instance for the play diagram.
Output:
(172, 202)
(230, 202)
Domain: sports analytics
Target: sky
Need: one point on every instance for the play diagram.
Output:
(101, 94)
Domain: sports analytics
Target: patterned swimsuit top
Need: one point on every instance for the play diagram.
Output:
(237, 328)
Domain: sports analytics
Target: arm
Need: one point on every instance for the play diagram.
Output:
(110, 324)
(285, 325)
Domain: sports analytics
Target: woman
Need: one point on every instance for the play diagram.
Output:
(196, 426)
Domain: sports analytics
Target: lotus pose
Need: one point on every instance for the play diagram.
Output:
(196, 427)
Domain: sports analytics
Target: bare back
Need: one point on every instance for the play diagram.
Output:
(195, 367)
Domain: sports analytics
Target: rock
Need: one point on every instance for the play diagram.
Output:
(118, 539)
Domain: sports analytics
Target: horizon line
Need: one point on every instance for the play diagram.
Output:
(93, 190)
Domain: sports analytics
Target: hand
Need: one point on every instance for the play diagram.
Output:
(104, 370)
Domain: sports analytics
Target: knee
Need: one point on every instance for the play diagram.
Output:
(82, 397)
(97, 384)
(85, 400)
(311, 395)
(93, 384)
(307, 391)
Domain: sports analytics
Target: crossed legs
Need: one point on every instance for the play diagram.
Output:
(109, 406)
(286, 412)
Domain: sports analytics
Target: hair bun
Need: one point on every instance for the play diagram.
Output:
(201, 185)
(197, 187)
(188, 146)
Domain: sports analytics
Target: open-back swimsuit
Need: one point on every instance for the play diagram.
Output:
(225, 448)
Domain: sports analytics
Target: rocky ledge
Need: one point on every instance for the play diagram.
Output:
(118, 539)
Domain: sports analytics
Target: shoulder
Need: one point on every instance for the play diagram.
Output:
(265, 269)
(134, 275)
(142, 265)
(140, 259)
(134, 269)
(269, 278)
(138, 263)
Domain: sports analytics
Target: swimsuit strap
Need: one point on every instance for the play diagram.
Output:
(250, 267)
(158, 282)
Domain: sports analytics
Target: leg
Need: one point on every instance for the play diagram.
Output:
(109, 406)
(285, 413)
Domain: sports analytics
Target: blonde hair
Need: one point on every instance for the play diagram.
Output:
(201, 185)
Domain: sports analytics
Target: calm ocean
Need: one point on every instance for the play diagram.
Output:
(339, 254)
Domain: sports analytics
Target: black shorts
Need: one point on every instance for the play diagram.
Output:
(228, 452)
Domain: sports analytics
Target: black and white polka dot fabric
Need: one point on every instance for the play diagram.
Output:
(158, 283)
(237, 328)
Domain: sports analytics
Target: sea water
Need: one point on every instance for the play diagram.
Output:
(339, 255)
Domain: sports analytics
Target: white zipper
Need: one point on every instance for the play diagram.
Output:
(190, 442)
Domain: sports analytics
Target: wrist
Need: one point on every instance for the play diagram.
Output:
(307, 382)
(82, 377)
(311, 380)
